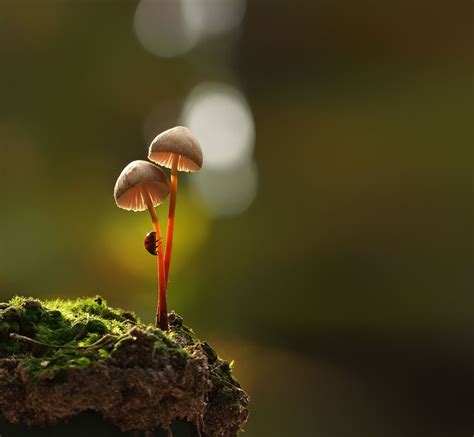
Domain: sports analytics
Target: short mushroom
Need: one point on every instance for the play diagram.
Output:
(140, 186)
(178, 149)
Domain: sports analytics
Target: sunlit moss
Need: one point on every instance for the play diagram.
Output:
(55, 348)
(51, 337)
(69, 323)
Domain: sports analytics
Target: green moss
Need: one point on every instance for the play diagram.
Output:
(62, 344)
(227, 385)
(78, 325)
(70, 323)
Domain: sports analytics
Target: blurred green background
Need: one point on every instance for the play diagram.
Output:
(326, 246)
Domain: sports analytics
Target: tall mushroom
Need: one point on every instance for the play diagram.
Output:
(140, 186)
(178, 149)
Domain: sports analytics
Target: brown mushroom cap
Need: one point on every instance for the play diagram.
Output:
(137, 175)
(180, 141)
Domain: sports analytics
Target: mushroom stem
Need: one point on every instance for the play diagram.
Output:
(171, 213)
(161, 320)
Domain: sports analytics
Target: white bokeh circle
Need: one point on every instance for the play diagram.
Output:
(227, 193)
(221, 119)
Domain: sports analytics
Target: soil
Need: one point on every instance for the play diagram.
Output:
(63, 358)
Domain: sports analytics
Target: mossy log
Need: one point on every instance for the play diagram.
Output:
(61, 360)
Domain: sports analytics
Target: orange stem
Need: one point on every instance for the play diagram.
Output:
(161, 319)
(171, 213)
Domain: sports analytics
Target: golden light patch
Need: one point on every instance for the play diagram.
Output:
(123, 235)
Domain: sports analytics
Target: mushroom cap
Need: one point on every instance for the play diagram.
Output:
(180, 141)
(137, 174)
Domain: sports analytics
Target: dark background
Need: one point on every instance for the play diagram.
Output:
(342, 284)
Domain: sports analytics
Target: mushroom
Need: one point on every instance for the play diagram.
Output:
(178, 149)
(140, 186)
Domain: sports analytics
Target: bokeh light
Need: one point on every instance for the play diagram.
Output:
(211, 17)
(221, 118)
(161, 28)
(227, 192)
(169, 28)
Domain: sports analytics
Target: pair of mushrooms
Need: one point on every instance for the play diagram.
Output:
(142, 185)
